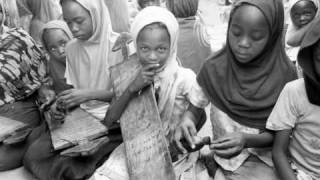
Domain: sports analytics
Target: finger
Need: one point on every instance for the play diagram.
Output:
(227, 153)
(177, 138)
(220, 140)
(151, 66)
(63, 93)
(224, 145)
(189, 137)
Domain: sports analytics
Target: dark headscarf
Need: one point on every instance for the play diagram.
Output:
(306, 61)
(248, 92)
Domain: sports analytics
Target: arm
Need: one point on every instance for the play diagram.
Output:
(280, 155)
(192, 121)
(117, 107)
(232, 144)
(74, 97)
(143, 79)
(261, 140)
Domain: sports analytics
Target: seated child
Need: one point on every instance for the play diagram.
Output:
(295, 117)
(155, 33)
(55, 35)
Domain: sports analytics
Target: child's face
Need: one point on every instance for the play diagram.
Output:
(316, 57)
(78, 19)
(145, 3)
(153, 45)
(248, 33)
(55, 41)
(302, 13)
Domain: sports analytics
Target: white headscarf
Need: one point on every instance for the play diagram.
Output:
(88, 61)
(165, 80)
(295, 34)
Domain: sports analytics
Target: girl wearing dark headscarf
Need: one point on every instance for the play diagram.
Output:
(295, 117)
(243, 82)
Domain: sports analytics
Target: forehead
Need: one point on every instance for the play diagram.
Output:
(249, 16)
(303, 4)
(73, 9)
(52, 35)
(153, 32)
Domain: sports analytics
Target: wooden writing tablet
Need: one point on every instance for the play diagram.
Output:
(146, 148)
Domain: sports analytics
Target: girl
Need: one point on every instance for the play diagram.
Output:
(55, 35)
(302, 13)
(155, 33)
(295, 117)
(243, 82)
(193, 45)
(89, 56)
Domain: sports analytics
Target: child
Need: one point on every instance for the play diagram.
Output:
(243, 82)
(55, 35)
(295, 117)
(155, 33)
(302, 14)
(89, 56)
(193, 42)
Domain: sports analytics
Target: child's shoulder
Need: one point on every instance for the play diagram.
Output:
(186, 73)
(296, 88)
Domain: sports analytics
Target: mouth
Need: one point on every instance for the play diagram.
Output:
(242, 55)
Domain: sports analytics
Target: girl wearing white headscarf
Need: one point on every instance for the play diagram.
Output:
(174, 87)
(295, 34)
(87, 70)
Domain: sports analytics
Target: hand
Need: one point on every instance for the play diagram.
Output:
(73, 97)
(46, 97)
(185, 130)
(54, 117)
(144, 77)
(229, 146)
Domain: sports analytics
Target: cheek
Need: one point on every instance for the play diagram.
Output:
(233, 41)
(258, 47)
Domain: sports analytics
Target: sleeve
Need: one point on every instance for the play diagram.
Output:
(194, 92)
(285, 113)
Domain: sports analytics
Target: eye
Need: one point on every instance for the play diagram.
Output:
(53, 49)
(162, 49)
(63, 44)
(79, 21)
(236, 31)
(143, 48)
(256, 36)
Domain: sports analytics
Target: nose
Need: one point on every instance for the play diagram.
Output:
(303, 17)
(153, 56)
(74, 28)
(61, 50)
(244, 42)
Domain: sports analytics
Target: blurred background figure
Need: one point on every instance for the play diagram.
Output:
(42, 12)
(119, 18)
(193, 42)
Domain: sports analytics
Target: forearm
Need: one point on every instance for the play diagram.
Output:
(282, 165)
(100, 95)
(261, 140)
(197, 115)
(118, 106)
